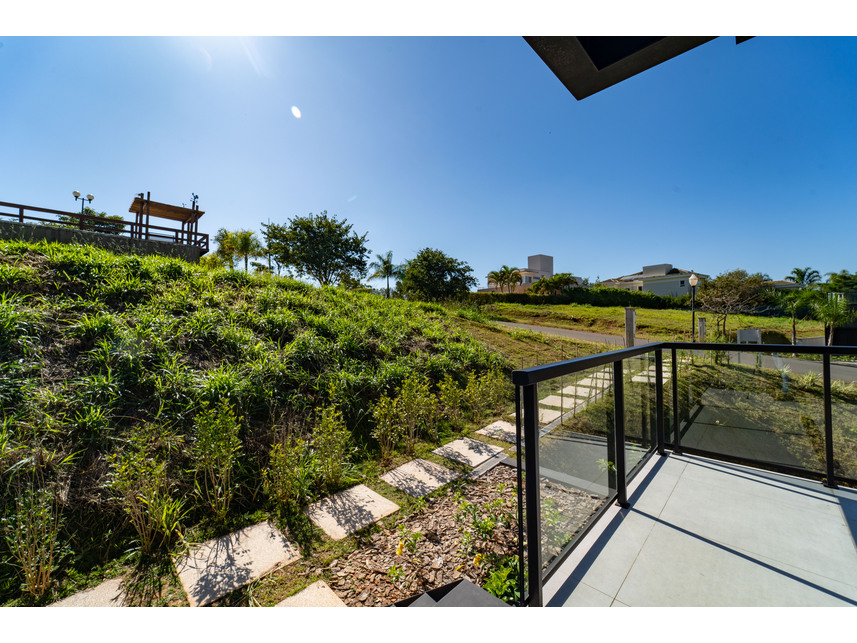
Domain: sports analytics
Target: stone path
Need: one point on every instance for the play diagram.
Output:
(222, 565)
(348, 511)
(318, 594)
(419, 477)
(108, 594)
(468, 451)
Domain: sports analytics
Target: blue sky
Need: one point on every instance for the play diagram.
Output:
(728, 156)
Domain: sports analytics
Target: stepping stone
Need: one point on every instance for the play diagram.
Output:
(577, 391)
(419, 477)
(500, 430)
(348, 511)
(224, 564)
(318, 594)
(562, 401)
(467, 451)
(546, 416)
(108, 594)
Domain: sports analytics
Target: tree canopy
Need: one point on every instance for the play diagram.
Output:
(108, 223)
(505, 277)
(238, 244)
(804, 276)
(384, 268)
(730, 293)
(434, 276)
(318, 246)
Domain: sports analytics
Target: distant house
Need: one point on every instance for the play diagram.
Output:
(538, 266)
(782, 284)
(660, 279)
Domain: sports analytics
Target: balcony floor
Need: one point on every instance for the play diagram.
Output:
(705, 533)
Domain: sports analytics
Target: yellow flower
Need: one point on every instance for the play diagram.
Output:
(478, 559)
(400, 548)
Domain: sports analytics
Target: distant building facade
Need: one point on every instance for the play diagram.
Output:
(659, 279)
(538, 266)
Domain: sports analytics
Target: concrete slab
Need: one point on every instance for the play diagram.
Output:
(419, 477)
(467, 451)
(318, 594)
(546, 416)
(351, 510)
(582, 392)
(561, 401)
(108, 594)
(225, 564)
(500, 430)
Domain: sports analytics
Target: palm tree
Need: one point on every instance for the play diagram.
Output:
(792, 302)
(832, 311)
(804, 276)
(245, 245)
(385, 268)
(514, 278)
(496, 277)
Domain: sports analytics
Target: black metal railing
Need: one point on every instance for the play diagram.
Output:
(779, 407)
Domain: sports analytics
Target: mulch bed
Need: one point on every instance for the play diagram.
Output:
(384, 573)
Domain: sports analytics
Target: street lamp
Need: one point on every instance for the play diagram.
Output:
(693, 280)
(83, 199)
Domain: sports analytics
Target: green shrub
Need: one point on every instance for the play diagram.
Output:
(330, 443)
(289, 476)
(388, 430)
(215, 453)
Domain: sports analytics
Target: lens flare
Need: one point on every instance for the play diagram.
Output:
(296, 112)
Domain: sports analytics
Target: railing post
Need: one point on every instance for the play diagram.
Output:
(619, 428)
(659, 400)
(531, 486)
(828, 424)
(676, 432)
(20, 215)
(519, 439)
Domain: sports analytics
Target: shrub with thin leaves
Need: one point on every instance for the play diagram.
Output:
(215, 453)
(330, 442)
(388, 430)
(289, 476)
(451, 400)
(32, 535)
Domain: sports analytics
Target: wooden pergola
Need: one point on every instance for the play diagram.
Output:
(144, 209)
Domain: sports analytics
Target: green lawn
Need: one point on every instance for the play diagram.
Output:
(665, 325)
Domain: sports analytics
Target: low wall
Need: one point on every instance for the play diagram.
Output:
(113, 242)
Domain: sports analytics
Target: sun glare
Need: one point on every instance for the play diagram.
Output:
(296, 112)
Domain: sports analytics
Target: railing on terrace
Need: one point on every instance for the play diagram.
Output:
(132, 229)
(588, 425)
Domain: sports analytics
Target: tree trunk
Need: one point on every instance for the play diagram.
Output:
(794, 332)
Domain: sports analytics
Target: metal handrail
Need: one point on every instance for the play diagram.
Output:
(526, 389)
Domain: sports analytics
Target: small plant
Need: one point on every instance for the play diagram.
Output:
(408, 540)
(32, 535)
(809, 380)
(290, 475)
(395, 573)
(331, 444)
(215, 453)
(387, 429)
(451, 400)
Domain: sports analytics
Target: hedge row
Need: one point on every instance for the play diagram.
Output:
(593, 296)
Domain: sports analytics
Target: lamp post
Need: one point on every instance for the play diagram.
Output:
(693, 280)
(83, 199)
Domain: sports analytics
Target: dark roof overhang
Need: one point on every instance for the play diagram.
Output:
(588, 64)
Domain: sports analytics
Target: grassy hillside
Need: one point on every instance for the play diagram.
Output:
(218, 398)
(664, 325)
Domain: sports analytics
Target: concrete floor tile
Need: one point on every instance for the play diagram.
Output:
(561, 401)
(107, 594)
(224, 564)
(582, 595)
(419, 477)
(546, 416)
(468, 451)
(500, 430)
(348, 511)
(318, 594)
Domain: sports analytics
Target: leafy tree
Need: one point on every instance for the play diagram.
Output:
(832, 311)
(319, 246)
(804, 276)
(385, 268)
(841, 281)
(433, 276)
(730, 293)
(107, 223)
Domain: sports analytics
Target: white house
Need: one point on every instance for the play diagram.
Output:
(538, 266)
(660, 279)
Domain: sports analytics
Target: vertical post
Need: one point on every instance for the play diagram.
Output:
(619, 427)
(693, 313)
(659, 400)
(630, 326)
(676, 432)
(828, 424)
(148, 211)
(532, 491)
(21, 215)
(519, 439)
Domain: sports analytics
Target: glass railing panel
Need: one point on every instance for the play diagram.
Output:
(576, 423)
(754, 405)
(639, 376)
(843, 402)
